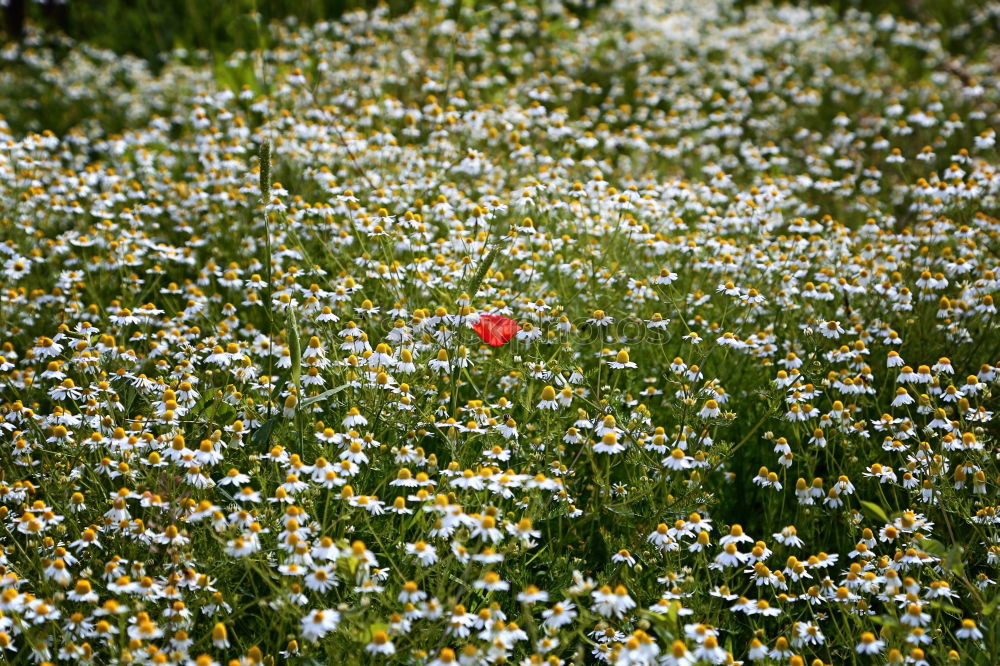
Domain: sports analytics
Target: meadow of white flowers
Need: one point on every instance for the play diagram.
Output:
(743, 412)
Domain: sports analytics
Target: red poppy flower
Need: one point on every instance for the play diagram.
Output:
(496, 330)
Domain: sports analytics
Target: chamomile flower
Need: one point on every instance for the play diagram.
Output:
(319, 623)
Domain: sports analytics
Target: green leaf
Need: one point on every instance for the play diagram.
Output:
(885, 620)
(948, 608)
(672, 613)
(875, 510)
(205, 401)
(262, 435)
(368, 633)
(324, 395)
(295, 347)
(934, 547)
(952, 560)
(212, 407)
(223, 412)
(653, 615)
(990, 606)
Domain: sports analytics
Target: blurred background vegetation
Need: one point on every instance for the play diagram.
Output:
(147, 28)
(209, 32)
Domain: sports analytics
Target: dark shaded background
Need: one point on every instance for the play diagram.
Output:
(148, 27)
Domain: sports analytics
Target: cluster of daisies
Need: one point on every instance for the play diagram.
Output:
(501, 335)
